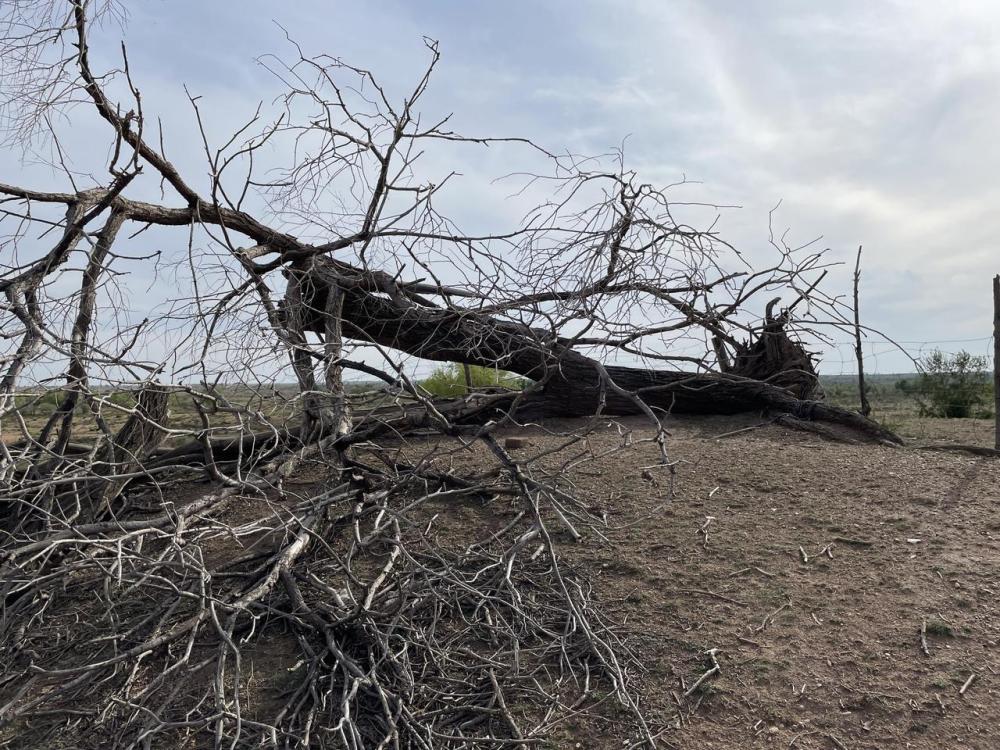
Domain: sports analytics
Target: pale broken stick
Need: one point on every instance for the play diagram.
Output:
(968, 683)
(770, 618)
(703, 530)
(714, 670)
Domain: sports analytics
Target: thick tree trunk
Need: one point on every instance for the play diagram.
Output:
(573, 385)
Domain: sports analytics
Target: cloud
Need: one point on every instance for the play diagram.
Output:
(873, 123)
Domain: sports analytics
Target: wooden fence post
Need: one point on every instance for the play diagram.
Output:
(996, 361)
(866, 407)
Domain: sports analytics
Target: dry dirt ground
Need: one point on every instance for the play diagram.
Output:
(811, 567)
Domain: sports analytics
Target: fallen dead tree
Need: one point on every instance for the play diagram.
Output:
(148, 563)
(573, 385)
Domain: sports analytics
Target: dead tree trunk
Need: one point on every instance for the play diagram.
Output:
(141, 434)
(573, 385)
(866, 407)
(772, 357)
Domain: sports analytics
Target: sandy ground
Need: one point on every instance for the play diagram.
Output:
(811, 567)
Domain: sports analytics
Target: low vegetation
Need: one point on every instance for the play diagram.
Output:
(453, 380)
(951, 386)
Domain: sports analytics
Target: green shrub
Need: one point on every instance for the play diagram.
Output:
(449, 380)
(951, 386)
(38, 404)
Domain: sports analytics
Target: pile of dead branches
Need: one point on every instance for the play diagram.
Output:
(148, 630)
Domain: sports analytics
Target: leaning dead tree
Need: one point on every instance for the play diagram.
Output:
(150, 564)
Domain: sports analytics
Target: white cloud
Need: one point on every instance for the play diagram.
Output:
(873, 122)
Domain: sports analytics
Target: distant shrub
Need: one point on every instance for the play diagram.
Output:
(449, 380)
(41, 404)
(951, 386)
(44, 403)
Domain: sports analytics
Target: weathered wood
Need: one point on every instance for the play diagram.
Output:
(573, 385)
(774, 358)
(866, 408)
(996, 362)
(126, 452)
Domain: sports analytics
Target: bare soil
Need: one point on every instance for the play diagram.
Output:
(812, 568)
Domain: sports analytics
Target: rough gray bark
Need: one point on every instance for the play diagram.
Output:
(573, 385)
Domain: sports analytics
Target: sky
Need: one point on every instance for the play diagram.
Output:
(871, 122)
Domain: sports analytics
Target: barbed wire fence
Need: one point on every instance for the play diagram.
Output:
(892, 373)
(884, 357)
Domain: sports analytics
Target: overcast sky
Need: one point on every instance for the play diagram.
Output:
(873, 123)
